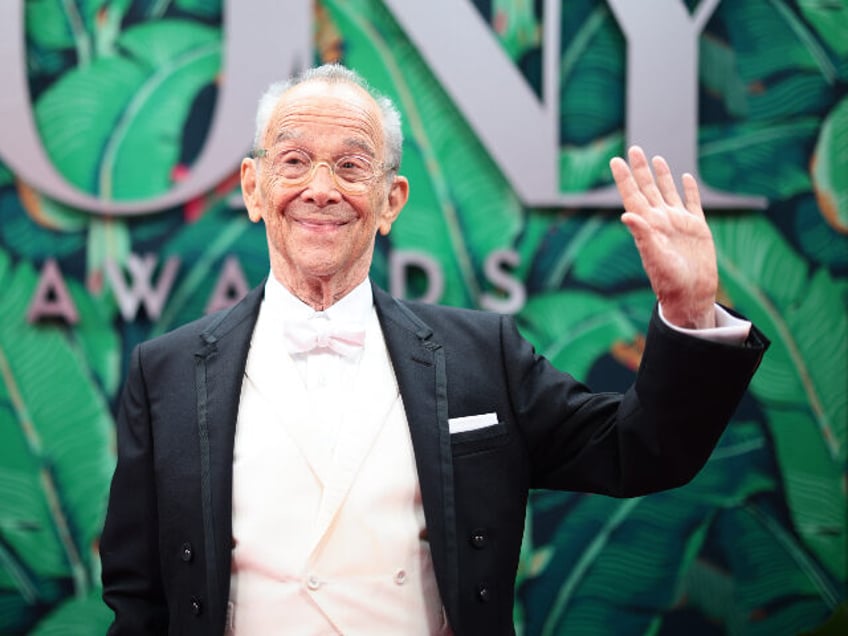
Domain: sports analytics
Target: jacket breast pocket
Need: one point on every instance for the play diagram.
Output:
(479, 440)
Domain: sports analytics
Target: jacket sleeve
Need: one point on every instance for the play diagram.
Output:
(129, 553)
(657, 435)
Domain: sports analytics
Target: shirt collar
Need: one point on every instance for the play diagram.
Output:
(354, 307)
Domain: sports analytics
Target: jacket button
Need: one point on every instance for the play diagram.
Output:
(479, 539)
(196, 606)
(483, 594)
(186, 553)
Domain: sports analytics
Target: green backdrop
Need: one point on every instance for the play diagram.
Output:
(756, 544)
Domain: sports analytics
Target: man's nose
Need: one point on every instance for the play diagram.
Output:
(321, 187)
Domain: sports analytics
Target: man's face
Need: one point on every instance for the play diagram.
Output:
(317, 231)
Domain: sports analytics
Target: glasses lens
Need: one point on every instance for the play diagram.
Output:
(353, 169)
(292, 164)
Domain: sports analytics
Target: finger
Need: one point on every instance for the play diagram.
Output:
(646, 240)
(692, 195)
(644, 178)
(638, 226)
(665, 181)
(631, 196)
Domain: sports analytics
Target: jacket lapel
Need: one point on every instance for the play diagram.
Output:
(220, 360)
(419, 366)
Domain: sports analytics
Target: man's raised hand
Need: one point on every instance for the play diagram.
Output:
(672, 236)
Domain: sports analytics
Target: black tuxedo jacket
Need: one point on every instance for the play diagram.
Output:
(167, 540)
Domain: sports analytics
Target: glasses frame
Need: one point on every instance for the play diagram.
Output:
(359, 187)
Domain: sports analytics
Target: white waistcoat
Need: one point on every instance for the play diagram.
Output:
(327, 514)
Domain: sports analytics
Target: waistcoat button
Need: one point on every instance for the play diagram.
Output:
(483, 594)
(187, 553)
(196, 606)
(479, 539)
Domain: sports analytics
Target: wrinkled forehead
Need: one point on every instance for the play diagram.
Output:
(324, 114)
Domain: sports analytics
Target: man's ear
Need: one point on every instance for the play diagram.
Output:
(250, 189)
(398, 196)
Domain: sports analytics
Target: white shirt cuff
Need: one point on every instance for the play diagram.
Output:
(728, 330)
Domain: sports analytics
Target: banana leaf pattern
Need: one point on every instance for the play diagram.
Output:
(756, 544)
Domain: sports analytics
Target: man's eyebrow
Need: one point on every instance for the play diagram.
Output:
(361, 145)
(285, 135)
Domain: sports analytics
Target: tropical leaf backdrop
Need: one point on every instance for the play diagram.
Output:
(123, 93)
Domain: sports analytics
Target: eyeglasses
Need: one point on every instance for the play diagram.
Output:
(351, 173)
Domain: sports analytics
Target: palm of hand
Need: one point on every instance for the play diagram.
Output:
(672, 236)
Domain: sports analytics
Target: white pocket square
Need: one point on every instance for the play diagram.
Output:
(471, 422)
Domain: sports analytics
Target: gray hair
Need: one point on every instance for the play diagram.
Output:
(334, 74)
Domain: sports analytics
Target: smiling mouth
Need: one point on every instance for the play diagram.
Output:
(320, 225)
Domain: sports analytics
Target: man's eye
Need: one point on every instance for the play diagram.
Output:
(353, 164)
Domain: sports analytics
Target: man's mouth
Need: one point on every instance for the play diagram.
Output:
(321, 225)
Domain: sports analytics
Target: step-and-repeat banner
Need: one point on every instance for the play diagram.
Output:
(122, 126)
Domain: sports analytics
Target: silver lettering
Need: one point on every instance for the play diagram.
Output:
(142, 291)
(264, 40)
(230, 288)
(51, 298)
(522, 134)
(662, 85)
(515, 295)
(401, 260)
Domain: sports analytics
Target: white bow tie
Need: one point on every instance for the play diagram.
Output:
(304, 336)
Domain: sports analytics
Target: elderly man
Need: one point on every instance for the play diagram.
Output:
(325, 459)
